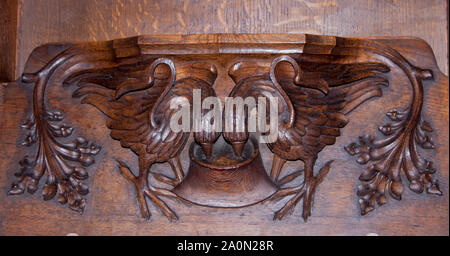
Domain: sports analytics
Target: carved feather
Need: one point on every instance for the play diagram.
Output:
(325, 89)
(130, 97)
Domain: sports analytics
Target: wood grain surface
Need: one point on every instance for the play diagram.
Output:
(112, 208)
(8, 39)
(43, 21)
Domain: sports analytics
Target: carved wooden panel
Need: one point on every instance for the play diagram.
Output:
(321, 84)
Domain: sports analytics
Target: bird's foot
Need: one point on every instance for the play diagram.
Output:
(288, 178)
(166, 180)
(306, 192)
(144, 190)
(289, 206)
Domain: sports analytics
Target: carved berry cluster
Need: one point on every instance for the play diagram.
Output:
(64, 179)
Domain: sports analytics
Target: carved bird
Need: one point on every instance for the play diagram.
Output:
(314, 92)
(136, 99)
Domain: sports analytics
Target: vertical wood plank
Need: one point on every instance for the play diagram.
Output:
(8, 39)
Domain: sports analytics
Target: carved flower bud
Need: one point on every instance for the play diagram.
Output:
(83, 189)
(80, 141)
(61, 189)
(396, 189)
(426, 178)
(362, 190)
(30, 139)
(94, 149)
(416, 186)
(51, 179)
(28, 124)
(74, 182)
(71, 198)
(373, 199)
(366, 139)
(16, 189)
(32, 185)
(434, 189)
(363, 158)
(49, 191)
(66, 131)
(62, 199)
(25, 162)
(82, 205)
(55, 116)
(381, 199)
(427, 143)
(368, 174)
(80, 173)
(386, 129)
(86, 160)
(395, 115)
(426, 126)
(429, 167)
(365, 208)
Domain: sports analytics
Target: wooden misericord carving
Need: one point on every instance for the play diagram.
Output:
(317, 81)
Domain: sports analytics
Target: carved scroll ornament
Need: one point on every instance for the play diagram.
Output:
(317, 81)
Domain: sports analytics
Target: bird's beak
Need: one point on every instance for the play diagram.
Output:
(238, 147)
(207, 148)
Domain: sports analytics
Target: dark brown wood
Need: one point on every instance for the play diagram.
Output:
(44, 21)
(224, 179)
(318, 80)
(111, 207)
(8, 39)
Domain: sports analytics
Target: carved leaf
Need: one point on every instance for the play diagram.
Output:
(54, 159)
(392, 156)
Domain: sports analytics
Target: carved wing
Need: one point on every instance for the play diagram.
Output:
(314, 94)
(126, 97)
(137, 100)
(137, 104)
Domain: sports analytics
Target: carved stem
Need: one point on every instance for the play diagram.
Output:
(414, 74)
(397, 152)
(62, 178)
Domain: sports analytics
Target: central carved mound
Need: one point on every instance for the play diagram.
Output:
(225, 179)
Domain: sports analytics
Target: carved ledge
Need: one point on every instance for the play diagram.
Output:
(317, 81)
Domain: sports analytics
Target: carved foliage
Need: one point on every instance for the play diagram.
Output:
(397, 152)
(63, 164)
(316, 90)
(391, 156)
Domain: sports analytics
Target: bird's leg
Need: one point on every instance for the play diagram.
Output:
(144, 189)
(277, 165)
(305, 191)
(139, 182)
(312, 184)
(175, 164)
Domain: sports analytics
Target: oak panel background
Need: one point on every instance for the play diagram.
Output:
(8, 42)
(42, 21)
(112, 209)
